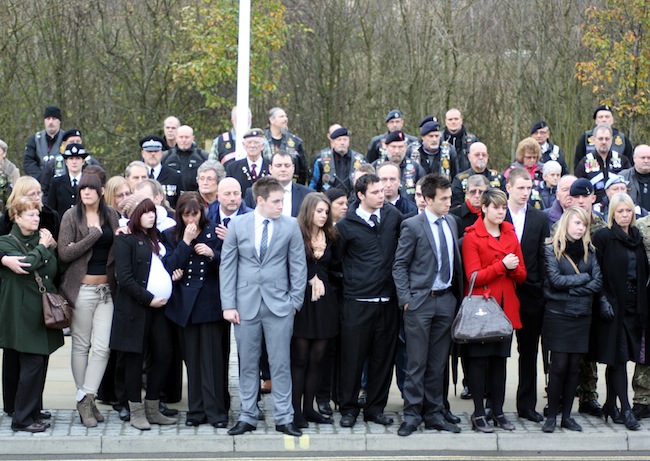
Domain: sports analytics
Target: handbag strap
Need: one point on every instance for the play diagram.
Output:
(472, 279)
(573, 264)
(37, 277)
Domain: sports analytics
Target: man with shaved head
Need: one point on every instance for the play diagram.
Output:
(456, 135)
(185, 157)
(170, 126)
(478, 159)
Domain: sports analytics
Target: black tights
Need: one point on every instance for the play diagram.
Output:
(616, 379)
(306, 356)
(563, 382)
(478, 370)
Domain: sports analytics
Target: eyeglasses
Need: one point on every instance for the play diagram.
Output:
(122, 195)
(206, 178)
(475, 191)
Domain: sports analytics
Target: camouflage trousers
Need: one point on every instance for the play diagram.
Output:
(587, 381)
(641, 384)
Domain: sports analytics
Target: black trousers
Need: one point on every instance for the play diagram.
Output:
(31, 382)
(207, 371)
(10, 376)
(368, 331)
(528, 339)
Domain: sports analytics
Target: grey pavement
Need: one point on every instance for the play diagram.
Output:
(68, 436)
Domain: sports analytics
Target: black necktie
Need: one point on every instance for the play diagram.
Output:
(374, 219)
(444, 252)
(151, 176)
(226, 221)
(74, 183)
(264, 244)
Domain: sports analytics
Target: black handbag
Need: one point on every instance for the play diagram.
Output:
(57, 313)
(480, 319)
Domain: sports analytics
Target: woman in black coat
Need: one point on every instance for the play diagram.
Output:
(193, 257)
(572, 279)
(616, 341)
(139, 322)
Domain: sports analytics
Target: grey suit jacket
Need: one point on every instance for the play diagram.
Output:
(279, 280)
(416, 261)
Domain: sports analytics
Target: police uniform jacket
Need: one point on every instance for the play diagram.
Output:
(56, 167)
(172, 183)
(196, 297)
(62, 195)
(186, 162)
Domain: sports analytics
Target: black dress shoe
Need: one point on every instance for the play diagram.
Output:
(192, 422)
(380, 419)
(315, 417)
(289, 429)
(441, 424)
(220, 424)
(241, 428)
(531, 415)
(549, 425)
(630, 421)
(33, 428)
(450, 417)
(571, 425)
(591, 407)
(325, 408)
(165, 410)
(406, 429)
(45, 415)
(300, 422)
(348, 420)
(125, 414)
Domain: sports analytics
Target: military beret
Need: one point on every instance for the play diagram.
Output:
(70, 133)
(254, 133)
(429, 127)
(581, 187)
(428, 118)
(393, 114)
(395, 136)
(151, 143)
(615, 179)
(75, 150)
(538, 126)
(602, 107)
(339, 132)
(52, 111)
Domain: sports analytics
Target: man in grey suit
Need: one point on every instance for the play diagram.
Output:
(428, 277)
(263, 276)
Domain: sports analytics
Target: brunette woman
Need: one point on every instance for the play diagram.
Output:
(317, 321)
(193, 256)
(86, 244)
(139, 321)
(572, 280)
(618, 334)
(491, 248)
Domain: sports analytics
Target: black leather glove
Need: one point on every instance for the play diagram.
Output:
(606, 310)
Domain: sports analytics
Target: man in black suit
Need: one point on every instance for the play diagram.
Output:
(429, 280)
(532, 230)
(170, 179)
(63, 190)
(254, 166)
(282, 168)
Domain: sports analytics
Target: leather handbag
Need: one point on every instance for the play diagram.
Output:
(480, 319)
(57, 313)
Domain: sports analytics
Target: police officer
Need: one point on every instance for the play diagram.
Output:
(456, 135)
(223, 146)
(436, 156)
(170, 179)
(396, 145)
(334, 166)
(377, 147)
(64, 188)
(478, 159)
(279, 138)
(603, 115)
(541, 132)
(597, 166)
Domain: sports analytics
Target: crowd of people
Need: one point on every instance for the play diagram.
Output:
(334, 276)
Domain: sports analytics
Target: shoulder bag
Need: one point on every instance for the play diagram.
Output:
(480, 319)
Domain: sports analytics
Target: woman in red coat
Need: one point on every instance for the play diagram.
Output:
(491, 247)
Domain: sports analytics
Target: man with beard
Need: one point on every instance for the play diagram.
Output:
(279, 138)
(185, 157)
(456, 135)
(437, 157)
(410, 171)
(44, 145)
(478, 159)
(377, 149)
(603, 115)
(334, 166)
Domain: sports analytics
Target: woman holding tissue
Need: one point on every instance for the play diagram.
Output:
(317, 321)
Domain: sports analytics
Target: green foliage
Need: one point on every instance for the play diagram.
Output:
(617, 34)
(209, 65)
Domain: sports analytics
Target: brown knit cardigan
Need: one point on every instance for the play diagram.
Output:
(83, 238)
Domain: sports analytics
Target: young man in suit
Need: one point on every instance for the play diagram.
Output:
(532, 230)
(263, 276)
(429, 279)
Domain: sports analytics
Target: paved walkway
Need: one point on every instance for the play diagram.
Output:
(68, 436)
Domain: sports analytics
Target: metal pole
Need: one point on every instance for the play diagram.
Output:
(243, 74)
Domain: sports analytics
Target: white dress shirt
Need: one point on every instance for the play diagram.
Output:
(259, 228)
(518, 220)
(438, 283)
(287, 200)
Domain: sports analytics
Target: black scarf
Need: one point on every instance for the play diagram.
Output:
(631, 240)
(455, 139)
(575, 250)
